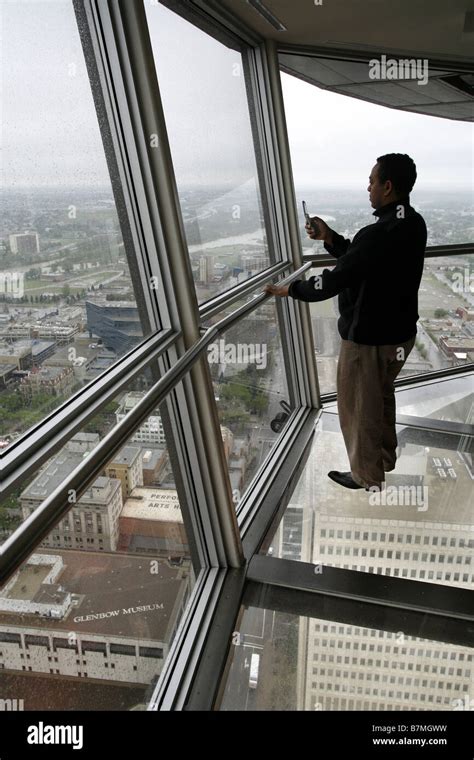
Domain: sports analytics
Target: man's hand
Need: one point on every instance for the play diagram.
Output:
(319, 230)
(276, 290)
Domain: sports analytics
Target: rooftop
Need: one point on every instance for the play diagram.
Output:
(127, 455)
(153, 504)
(116, 595)
(47, 373)
(60, 466)
(150, 458)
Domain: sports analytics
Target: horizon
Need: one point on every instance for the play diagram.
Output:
(332, 186)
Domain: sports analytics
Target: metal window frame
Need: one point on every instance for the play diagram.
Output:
(438, 426)
(207, 675)
(270, 147)
(431, 424)
(213, 641)
(423, 378)
(445, 612)
(107, 93)
(305, 603)
(29, 534)
(269, 132)
(216, 595)
(440, 374)
(298, 326)
(431, 252)
(27, 453)
(213, 18)
(183, 673)
(369, 588)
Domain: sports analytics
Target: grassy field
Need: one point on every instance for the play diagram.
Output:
(434, 295)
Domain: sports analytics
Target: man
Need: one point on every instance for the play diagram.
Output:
(377, 277)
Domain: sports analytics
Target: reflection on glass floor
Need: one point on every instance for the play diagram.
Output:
(450, 399)
(420, 527)
(285, 661)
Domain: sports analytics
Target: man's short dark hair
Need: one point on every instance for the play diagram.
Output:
(400, 169)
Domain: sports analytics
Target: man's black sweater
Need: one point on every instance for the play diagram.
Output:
(377, 277)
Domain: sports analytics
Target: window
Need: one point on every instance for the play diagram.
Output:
(337, 193)
(223, 202)
(293, 653)
(314, 491)
(249, 379)
(149, 502)
(70, 304)
(144, 573)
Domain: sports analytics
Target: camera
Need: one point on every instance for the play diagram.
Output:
(311, 223)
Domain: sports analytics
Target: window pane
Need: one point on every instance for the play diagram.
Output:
(331, 171)
(284, 661)
(250, 387)
(92, 613)
(451, 399)
(203, 88)
(446, 309)
(150, 437)
(68, 307)
(419, 526)
(445, 330)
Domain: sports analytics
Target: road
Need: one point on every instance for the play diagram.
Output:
(258, 624)
(434, 354)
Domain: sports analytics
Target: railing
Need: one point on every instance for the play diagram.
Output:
(28, 535)
(325, 259)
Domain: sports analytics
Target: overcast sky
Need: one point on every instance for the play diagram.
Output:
(51, 135)
(336, 139)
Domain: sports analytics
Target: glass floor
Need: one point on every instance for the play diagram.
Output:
(450, 399)
(337, 659)
(420, 527)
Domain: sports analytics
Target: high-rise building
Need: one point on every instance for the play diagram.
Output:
(253, 262)
(116, 322)
(93, 523)
(66, 630)
(24, 242)
(206, 269)
(52, 381)
(126, 466)
(152, 430)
